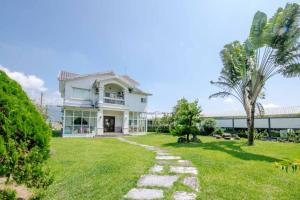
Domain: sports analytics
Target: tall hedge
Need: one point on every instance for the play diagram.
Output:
(24, 137)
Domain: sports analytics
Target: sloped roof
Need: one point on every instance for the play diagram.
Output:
(130, 79)
(64, 75)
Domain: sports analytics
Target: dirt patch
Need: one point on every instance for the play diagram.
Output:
(22, 191)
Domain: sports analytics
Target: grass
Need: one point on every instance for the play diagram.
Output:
(101, 168)
(233, 170)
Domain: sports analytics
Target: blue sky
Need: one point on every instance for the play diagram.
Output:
(170, 47)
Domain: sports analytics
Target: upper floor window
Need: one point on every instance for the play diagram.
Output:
(144, 100)
(80, 93)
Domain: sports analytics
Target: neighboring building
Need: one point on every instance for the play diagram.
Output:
(102, 103)
(273, 118)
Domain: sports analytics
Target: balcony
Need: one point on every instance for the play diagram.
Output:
(114, 98)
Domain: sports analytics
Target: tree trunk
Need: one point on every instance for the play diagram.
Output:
(188, 138)
(250, 123)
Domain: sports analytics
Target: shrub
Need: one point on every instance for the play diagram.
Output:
(8, 194)
(56, 133)
(209, 126)
(219, 131)
(24, 137)
(186, 116)
(288, 163)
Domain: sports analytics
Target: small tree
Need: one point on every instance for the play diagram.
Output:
(271, 48)
(24, 137)
(209, 126)
(186, 117)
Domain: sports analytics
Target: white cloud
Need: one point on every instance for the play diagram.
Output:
(270, 105)
(33, 86)
(228, 100)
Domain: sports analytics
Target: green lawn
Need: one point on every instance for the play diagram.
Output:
(100, 168)
(105, 168)
(232, 170)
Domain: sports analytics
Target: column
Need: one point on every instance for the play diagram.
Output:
(125, 122)
(64, 123)
(125, 91)
(101, 94)
(100, 122)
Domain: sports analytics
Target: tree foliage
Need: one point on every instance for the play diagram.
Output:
(271, 48)
(186, 117)
(24, 137)
(209, 126)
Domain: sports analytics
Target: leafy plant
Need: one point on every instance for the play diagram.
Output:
(209, 126)
(186, 117)
(271, 48)
(8, 194)
(219, 131)
(24, 137)
(286, 164)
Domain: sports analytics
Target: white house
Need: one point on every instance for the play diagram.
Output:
(102, 103)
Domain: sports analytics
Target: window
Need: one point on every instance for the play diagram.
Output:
(79, 93)
(144, 100)
(80, 122)
(137, 122)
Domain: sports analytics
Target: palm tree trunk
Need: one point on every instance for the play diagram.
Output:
(250, 123)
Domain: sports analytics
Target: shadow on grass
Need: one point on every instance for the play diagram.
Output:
(232, 148)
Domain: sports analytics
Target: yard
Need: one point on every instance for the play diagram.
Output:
(105, 168)
(100, 168)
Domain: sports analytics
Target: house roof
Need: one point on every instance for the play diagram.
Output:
(64, 75)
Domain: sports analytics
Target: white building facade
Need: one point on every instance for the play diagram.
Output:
(102, 103)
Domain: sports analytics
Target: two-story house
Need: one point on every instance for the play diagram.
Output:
(102, 103)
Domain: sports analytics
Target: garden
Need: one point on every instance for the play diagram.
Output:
(232, 164)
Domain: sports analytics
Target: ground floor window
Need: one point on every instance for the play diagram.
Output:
(80, 121)
(137, 122)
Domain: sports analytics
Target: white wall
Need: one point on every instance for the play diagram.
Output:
(261, 123)
(134, 102)
(285, 123)
(224, 123)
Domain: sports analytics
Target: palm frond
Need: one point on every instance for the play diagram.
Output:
(220, 94)
(291, 70)
(260, 108)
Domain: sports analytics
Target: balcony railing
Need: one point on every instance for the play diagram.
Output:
(114, 98)
(114, 95)
(114, 101)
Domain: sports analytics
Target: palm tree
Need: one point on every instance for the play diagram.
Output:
(272, 48)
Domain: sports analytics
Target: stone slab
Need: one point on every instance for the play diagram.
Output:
(157, 181)
(157, 169)
(184, 196)
(168, 157)
(162, 154)
(183, 170)
(165, 162)
(184, 162)
(192, 182)
(144, 194)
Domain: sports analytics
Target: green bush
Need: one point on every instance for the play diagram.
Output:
(8, 194)
(274, 134)
(209, 126)
(219, 131)
(56, 133)
(24, 137)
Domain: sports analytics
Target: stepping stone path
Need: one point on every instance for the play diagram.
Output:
(153, 185)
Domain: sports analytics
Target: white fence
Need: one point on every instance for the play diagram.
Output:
(268, 123)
